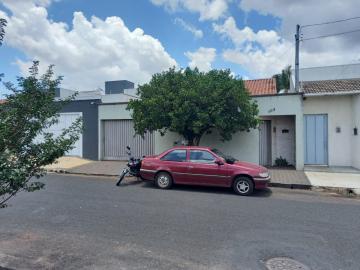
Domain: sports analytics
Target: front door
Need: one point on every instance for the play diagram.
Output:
(316, 139)
(204, 171)
(265, 143)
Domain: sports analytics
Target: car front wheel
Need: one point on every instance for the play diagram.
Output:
(163, 180)
(243, 186)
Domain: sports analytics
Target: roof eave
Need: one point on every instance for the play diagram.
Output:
(339, 93)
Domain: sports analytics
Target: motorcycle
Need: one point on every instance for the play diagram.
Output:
(133, 167)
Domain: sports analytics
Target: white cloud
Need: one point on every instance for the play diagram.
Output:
(208, 9)
(262, 53)
(89, 52)
(327, 51)
(189, 27)
(265, 53)
(202, 58)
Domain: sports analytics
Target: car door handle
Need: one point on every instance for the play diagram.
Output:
(191, 167)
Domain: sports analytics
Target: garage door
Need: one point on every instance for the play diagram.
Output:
(65, 121)
(117, 134)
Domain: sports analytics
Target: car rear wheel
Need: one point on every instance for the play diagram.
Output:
(163, 180)
(243, 186)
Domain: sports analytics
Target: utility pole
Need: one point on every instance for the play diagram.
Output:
(297, 41)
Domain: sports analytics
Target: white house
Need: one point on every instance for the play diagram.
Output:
(277, 136)
(331, 107)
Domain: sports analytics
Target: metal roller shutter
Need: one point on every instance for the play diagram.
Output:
(120, 133)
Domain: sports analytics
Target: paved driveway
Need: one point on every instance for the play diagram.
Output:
(88, 223)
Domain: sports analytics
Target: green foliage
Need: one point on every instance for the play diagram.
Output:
(283, 79)
(281, 162)
(3, 24)
(30, 110)
(193, 103)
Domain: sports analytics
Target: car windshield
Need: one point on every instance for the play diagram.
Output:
(228, 159)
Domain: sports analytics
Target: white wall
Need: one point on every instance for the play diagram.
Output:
(282, 144)
(340, 114)
(356, 139)
(350, 71)
(243, 146)
(283, 105)
(114, 111)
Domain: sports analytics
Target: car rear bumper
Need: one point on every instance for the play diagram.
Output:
(261, 183)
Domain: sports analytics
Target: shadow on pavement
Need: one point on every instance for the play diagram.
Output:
(206, 189)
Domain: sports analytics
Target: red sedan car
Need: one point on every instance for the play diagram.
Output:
(192, 165)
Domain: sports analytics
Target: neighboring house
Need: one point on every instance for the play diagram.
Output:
(84, 105)
(116, 129)
(332, 122)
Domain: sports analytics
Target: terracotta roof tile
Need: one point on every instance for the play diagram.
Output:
(2, 101)
(331, 86)
(261, 86)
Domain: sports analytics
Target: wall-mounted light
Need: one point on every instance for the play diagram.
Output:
(355, 131)
(338, 129)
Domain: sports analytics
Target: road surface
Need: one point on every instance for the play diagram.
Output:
(88, 223)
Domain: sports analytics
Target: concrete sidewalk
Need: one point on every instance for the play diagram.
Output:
(74, 165)
(335, 180)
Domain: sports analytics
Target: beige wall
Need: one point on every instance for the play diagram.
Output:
(339, 111)
(356, 139)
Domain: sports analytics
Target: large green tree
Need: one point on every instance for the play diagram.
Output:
(193, 103)
(25, 145)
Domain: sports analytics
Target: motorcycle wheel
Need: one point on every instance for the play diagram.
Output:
(122, 176)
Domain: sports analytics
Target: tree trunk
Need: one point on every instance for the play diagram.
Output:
(190, 141)
(194, 141)
(197, 140)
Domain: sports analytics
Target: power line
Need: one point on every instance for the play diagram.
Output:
(330, 22)
(331, 35)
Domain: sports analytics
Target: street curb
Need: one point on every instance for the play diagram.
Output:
(346, 192)
(290, 186)
(78, 173)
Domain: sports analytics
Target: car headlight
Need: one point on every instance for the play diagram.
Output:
(264, 174)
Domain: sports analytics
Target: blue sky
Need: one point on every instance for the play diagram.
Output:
(251, 38)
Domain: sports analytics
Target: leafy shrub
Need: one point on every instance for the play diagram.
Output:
(281, 162)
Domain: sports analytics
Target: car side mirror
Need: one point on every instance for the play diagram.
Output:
(219, 162)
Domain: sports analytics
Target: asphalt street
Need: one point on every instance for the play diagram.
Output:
(89, 223)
